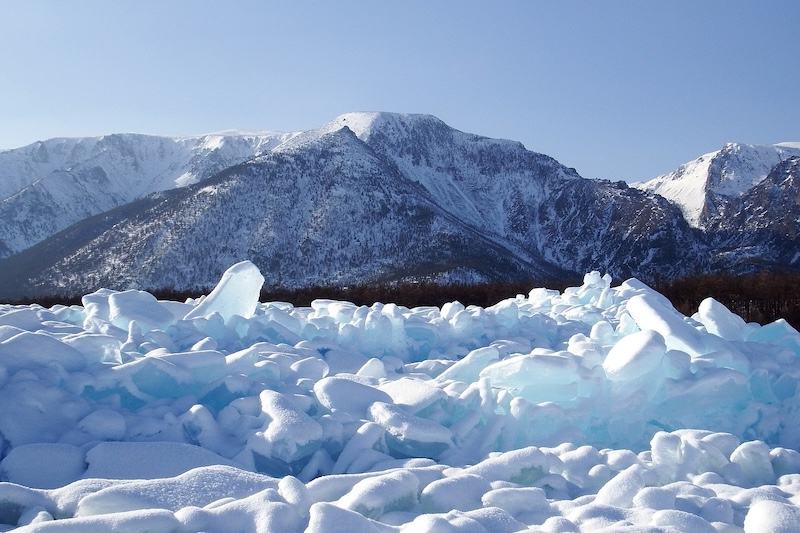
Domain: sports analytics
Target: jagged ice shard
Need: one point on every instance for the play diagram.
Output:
(236, 294)
(599, 408)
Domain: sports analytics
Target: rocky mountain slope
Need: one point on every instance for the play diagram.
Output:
(730, 172)
(48, 186)
(529, 199)
(387, 196)
(760, 229)
(320, 209)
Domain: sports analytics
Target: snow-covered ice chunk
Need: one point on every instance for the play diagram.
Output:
(654, 498)
(682, 521)
(772, 517)
(516, 500)
(288, 435)
(374, 496)
(409, 435)
(373, 368)
(147, 460)
(622, 489)
(363, 440)
(329, 518)
(104, 424)
(460, 492)
(524, 466)
(634, 356)
(754, 461)
(128, 522)
(469, 368)
(197, 487)
(720, 321)
(537, 376)
(127, 306)
(650, 313)
(43, 465)
(28, 349)
(96, 347)
(412, 394)
(342, 394)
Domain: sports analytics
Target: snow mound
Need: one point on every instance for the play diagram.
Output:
(549, 412)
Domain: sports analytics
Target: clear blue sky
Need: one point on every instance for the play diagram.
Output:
(617, 89)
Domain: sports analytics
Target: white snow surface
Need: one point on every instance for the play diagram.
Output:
(731, 171)
(545, 412)
(49, 185)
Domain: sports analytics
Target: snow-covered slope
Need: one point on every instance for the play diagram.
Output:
(467, 174)
(47, 186)
(729, 172)
(367, 196)
(395, 197)
(529, 201)
(319, 209)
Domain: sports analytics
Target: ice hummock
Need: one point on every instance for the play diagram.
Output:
(600, 407)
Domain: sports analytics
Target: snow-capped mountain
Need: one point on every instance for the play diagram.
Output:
(47, 186)
(318, 209)
(526, 200)
(384, 197)
(370, 196)
(746, 199)
(729, 172)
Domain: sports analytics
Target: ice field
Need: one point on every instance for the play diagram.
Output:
(600, 408)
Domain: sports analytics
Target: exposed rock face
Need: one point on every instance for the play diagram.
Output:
(760, 229)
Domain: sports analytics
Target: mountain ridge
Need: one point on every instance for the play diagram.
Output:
(377, 197)
(246, 180)
(49, 185)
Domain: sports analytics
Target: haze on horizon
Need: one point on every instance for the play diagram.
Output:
(622, 90)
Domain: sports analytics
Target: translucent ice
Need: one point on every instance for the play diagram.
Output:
(552, 411)
(236, 293)
(409, 435)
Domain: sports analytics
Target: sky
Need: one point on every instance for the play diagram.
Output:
(616, 89)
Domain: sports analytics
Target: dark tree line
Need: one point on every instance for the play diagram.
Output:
(762, 297)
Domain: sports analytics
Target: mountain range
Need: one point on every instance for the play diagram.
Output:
(49, 185)
(375, 197)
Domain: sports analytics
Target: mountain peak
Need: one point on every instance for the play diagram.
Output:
(731, 171)
(363, 123)
(795, 145)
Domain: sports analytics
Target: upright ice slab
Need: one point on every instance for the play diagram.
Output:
(236, 293)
